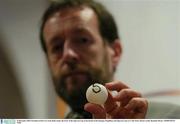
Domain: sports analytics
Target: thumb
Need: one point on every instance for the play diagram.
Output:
(97, 111)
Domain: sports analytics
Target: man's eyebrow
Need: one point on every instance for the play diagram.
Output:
(81, 30)
(54, 40)
(77, 30)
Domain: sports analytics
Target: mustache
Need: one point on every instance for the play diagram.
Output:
(76, 68)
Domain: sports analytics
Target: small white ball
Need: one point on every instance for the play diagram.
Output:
(97, 93)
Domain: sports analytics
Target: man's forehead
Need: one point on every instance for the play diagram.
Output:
(84, 13)
(79, 20)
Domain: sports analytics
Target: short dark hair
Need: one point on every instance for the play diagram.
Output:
(107, 25)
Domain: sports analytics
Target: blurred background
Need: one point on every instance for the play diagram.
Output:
(150, 34)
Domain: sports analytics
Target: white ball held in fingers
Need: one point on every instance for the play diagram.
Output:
(97, 94)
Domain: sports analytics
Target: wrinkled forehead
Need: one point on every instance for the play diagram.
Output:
(70, 20)
(82, 13)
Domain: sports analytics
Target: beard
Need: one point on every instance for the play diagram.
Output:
(76, 97)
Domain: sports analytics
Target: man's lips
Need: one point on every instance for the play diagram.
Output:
(74, 81)
(75, 75)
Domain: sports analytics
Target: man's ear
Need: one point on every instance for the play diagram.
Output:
(116, 53)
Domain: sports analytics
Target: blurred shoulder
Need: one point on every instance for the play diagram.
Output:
(160, 110)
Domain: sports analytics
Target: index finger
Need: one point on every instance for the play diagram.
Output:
(116, 85)
(110, 104)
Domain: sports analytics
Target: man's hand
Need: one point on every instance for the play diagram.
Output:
(127, 104)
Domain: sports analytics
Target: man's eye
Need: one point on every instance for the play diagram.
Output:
(83, 40)
(57, 48)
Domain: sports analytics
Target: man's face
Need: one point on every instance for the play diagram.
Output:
(77, 54)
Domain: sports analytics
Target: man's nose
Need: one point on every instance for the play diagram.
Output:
(70, 54)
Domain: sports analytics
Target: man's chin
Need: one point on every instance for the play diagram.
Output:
(76, 99)
(72, 89)
(76, 81)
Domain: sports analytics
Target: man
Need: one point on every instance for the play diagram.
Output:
(82, 46)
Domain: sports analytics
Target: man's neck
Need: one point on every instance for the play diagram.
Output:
(79, 114)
